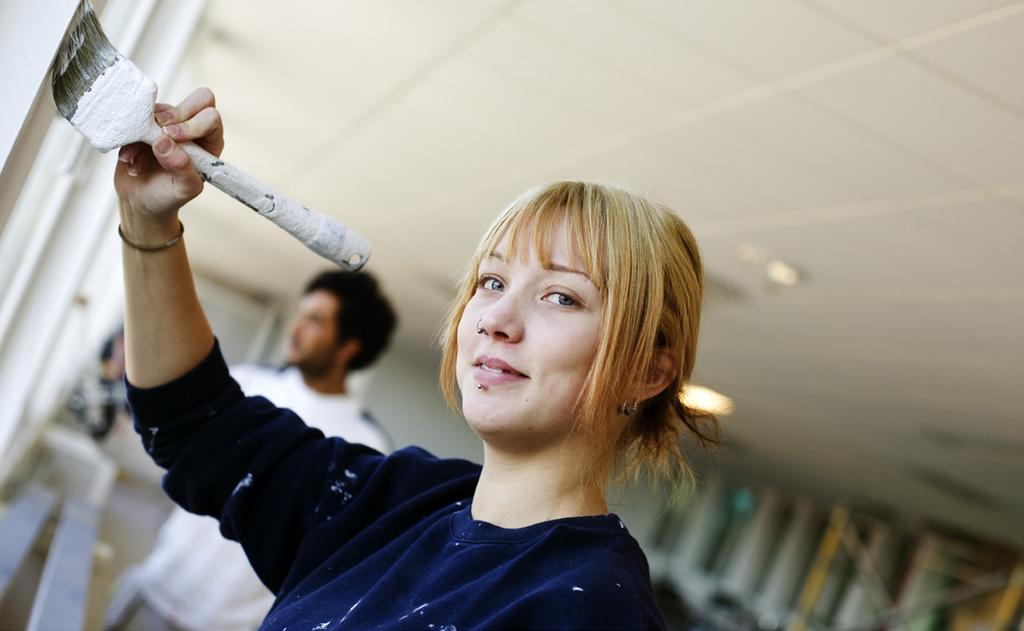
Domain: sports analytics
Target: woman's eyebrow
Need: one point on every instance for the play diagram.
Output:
(553, 267)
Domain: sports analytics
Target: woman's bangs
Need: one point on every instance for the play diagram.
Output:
(532, 225)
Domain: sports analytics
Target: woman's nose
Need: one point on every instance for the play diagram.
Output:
(502, 320)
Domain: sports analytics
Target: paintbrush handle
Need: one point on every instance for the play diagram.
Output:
(325, 235)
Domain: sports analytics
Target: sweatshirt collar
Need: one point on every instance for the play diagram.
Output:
(468, 530)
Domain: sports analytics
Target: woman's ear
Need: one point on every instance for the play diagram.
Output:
(662, 373)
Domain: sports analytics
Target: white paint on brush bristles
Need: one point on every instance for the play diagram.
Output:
(105, 121)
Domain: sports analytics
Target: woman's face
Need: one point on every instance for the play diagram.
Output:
(540, 335)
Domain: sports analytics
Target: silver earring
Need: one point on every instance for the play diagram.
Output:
(626, 409)
(479, 329)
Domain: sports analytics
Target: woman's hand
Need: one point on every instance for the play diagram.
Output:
(153, 183)
(166, 332)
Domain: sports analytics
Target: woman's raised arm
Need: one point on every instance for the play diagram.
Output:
(166, 331)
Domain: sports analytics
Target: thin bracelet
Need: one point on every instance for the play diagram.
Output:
(152, 248)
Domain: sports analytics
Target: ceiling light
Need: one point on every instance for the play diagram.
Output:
(782, 273)
(707, 400)
(773, 268)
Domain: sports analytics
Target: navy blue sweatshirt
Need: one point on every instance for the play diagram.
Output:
(348, 538)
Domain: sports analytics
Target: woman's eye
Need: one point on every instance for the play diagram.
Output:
(491, 283)
(560, 299)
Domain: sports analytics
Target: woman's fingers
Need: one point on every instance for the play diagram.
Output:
(196, 118)
(171, 157)
(130, 156)
(185, 181)
(204, 127)
(200, 99)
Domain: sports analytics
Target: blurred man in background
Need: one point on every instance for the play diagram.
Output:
(99, 397)
(196, 580)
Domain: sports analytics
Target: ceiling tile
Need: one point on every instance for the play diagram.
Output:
(770, 39)
(811, 139)
(535, 61)
(897, 20)
(930, 117)
(988, 58)
(775, 181)
(641, 56)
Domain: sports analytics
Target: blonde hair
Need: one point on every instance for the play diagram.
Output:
(644, 261)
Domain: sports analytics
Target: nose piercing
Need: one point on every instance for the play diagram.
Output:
(479, 329)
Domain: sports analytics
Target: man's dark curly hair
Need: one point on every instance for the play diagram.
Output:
(365, 313)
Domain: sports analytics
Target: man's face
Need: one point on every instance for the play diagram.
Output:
(314, 337)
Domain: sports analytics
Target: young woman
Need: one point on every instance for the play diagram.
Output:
(570, 340)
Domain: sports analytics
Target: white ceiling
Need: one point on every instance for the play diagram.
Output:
(877, 146)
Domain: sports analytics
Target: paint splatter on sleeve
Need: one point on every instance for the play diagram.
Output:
(244, 483)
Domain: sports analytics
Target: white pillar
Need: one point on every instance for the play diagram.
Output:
(786, 571)
(754, 545)
(704, 522)
(867, 596)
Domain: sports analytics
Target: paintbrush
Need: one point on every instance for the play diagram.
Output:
(110, 101)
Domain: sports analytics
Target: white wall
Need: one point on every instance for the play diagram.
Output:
(30, 33)
(59, 271)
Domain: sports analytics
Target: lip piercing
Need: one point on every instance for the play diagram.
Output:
(480, 331)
